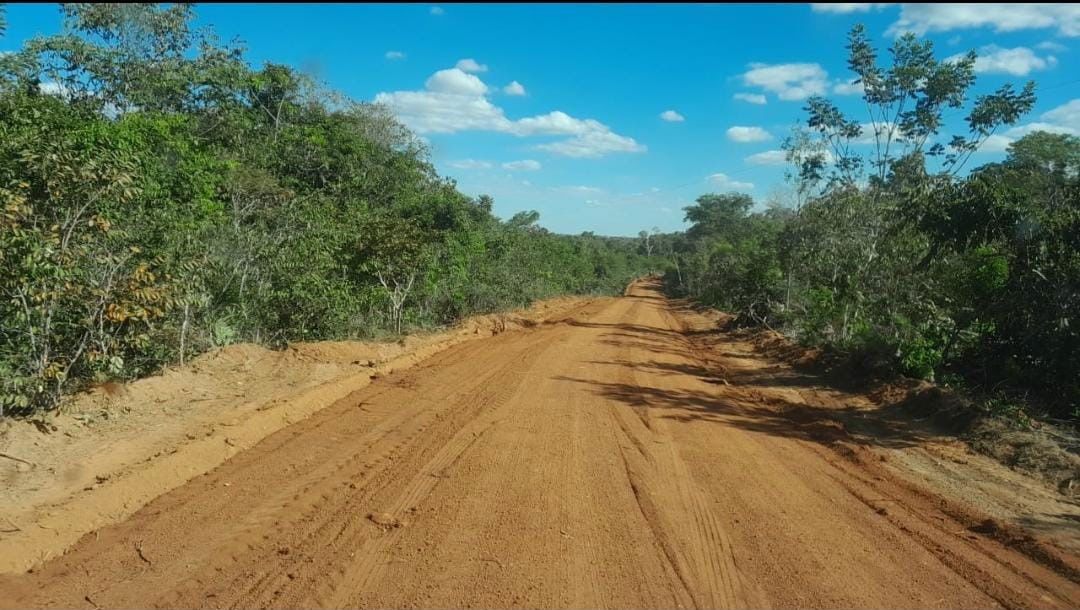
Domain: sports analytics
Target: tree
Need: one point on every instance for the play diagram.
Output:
(393, 251)
(905, 104)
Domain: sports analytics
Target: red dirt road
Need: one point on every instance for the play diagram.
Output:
(600, 461)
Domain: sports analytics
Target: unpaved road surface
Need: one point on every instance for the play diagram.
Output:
(611, 460)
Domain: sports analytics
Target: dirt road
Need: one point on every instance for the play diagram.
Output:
(610, 460)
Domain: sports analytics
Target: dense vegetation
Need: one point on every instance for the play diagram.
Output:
(159, 196)
(896, 258)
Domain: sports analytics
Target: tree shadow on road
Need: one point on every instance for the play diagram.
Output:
(767, 397)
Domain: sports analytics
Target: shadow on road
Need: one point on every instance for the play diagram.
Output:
(745, 389)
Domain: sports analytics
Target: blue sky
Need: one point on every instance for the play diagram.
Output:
(561, 108)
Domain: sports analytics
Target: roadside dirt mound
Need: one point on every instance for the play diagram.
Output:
(1045, 451)
(117, 446)
(776, 345)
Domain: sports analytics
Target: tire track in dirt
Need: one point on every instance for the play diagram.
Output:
(905, 505)
(604, 461)
(487, 410)
(230, 539)
(686, 528)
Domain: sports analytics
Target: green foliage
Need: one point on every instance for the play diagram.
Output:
(974, 279)
(159, 197)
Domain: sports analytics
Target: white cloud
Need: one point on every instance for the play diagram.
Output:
(525, 165)
(586, 189)
(1053, 47)
(721, 180)
(395, 55)
(553, 123)
(1022, 130)
(456, 101)
(923, 18)
(753, 98)
(747, 134)
(436, 112)
(514, 88)
(1018, 62)
(882, 129)
(456, 82)
(470, 65)
(470, 164)
(55, 88)
(788, 81)
(672, 116)
(50, 88)
(769, 157)
(1066, 115)
(848, 87)
(593, 144)
(591, 138)
(654, 190)
(1063, 119)
(996, 143)
(665, 209)
(850, 7)
(437, 10)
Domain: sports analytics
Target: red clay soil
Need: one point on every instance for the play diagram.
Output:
(612, 459)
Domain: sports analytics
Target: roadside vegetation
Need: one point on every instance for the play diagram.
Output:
(900, 257)
(160, 196)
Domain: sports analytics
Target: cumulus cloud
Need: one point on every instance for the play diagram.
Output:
(593, 144)
(924, 18)
(1018, 62)
(1022, 130)
(739, 133)
(1053, 47)
(769, 157)
(996, 143)
(1064, 119)
(471, 65)
(672, 116)
(53, 88)
(525, 165)
(752, 98)
(514, 88)
(881, 128)
(454, 101)
(457, 82)
(436, 112)
(788, 81)
(1066, 115)
(578, 190)
(848, 87)
(722, 181)
(850, 7)
(395, 55)
(470, 164)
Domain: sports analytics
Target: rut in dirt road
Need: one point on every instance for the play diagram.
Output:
(597, 462)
